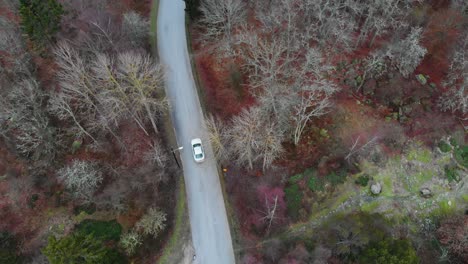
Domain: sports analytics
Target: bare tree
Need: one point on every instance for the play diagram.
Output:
(264, 59)
(407, 53)
(157, 155)
(220, 18)
(281, 18)
(81, 178)
(456, 98)
(379, 18)
(218, 137)
(152, 223)
(135, 28)
(374, 66)
(242, 136)
(288, 86)
(312, 101)
(77, 96)
(270, 144)
(13, 50)
(144, 80)
(133, 88)
(98, 94)
(269, 214)
(358, 148)
(59, 106)
(25, 121)
(253, 137)
(313, 64)
(130, 242)
(330, 23)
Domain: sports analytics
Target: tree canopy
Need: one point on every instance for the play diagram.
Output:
(40, 19)
(389, 251)
(78, 248)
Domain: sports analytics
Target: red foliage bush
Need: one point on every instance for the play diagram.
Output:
(136, 143)
(221, 98)
(439, 36)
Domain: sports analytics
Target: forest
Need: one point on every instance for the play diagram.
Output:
(84, 171)
(339, 127)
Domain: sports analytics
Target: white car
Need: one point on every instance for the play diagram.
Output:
(197, 149)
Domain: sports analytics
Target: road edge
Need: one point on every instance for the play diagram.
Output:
(181, 212)
(232, 220)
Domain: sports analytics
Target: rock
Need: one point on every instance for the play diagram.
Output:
(376, 188)
(422, 80)
(425, 192)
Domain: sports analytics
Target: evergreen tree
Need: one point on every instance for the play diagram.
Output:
(40, 19)
(390, 252)
(191, 7)
(78, 248)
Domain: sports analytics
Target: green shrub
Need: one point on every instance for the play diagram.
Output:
(315, 184)
(453, 142)
(444, 147)
(76, 145)
(81, 248)
(40, 19)
(336, 178)
(461, 155)
(293, 200)
(296, 178)
(103, 230)
(362, 180)
(452, 174)
(446, 208)
(390, 252)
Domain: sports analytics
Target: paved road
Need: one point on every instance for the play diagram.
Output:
(209, 225)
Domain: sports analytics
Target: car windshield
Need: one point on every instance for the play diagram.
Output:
(197, 149)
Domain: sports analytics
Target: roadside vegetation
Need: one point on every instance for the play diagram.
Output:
(84, 171)
(341, 126)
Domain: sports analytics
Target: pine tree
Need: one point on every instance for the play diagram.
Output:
(79, 248)
(40, 20)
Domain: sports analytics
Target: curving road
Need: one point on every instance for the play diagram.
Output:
(209, 225)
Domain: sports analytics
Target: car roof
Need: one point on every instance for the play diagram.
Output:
(198, 150)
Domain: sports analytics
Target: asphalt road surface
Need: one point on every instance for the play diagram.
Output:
(208, 221)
